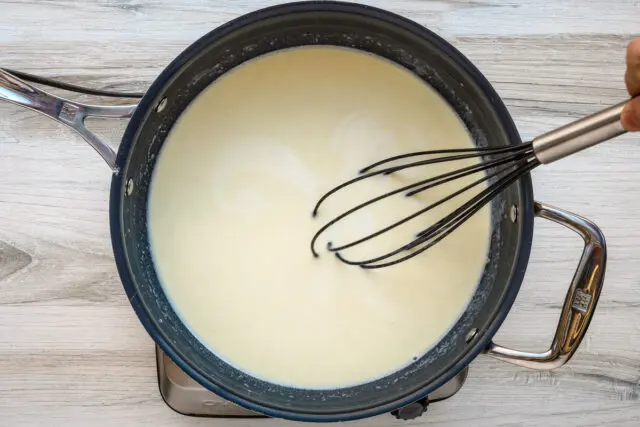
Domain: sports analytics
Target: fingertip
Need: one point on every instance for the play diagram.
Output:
(630, 117)
(632, 74)
(633, 52)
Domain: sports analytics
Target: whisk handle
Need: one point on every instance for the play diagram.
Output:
(578, 135)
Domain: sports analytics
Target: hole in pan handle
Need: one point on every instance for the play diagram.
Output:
(69, 113)
(580, 302)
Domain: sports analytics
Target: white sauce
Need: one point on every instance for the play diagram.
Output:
(230, 219)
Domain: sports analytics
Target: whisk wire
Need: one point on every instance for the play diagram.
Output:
(447, 225)
(477, 168)
(475, 152)
(433, 181)
(364, 174)
(414, 215)
(510, 164)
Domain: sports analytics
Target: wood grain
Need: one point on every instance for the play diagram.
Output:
(72, 351)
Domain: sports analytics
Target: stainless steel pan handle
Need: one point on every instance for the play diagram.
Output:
(69, 113)
(580, 302)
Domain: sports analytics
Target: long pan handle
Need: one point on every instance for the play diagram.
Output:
(578, 135)
(69, 113)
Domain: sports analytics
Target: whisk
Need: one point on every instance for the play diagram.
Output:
(502, 166)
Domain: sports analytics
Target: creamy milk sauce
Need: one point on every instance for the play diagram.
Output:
(230, 219)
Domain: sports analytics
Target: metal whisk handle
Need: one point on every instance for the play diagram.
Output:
(578, 135)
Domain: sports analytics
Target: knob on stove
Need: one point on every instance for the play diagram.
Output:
(412, 410)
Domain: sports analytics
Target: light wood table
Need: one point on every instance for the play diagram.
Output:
(72, 352)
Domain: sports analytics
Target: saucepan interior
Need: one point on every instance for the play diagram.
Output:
(287, 26)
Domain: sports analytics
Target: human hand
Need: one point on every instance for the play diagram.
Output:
(631, 113)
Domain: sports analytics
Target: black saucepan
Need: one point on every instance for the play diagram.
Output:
(439, 65)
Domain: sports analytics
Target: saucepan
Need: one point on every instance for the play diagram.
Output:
(429, 57)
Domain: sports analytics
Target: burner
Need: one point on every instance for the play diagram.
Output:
(185, 396)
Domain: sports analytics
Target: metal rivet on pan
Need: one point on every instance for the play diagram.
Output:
(513, 213)
(129, 187)
(161, 105)
(471, 335)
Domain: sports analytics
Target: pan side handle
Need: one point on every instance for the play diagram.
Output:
(581, 300)
(69, 113)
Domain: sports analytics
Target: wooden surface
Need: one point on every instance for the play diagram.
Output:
(72, 352)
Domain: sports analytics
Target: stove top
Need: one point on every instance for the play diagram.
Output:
(185, 396)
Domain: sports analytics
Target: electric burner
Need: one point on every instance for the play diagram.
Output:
(185, 396)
